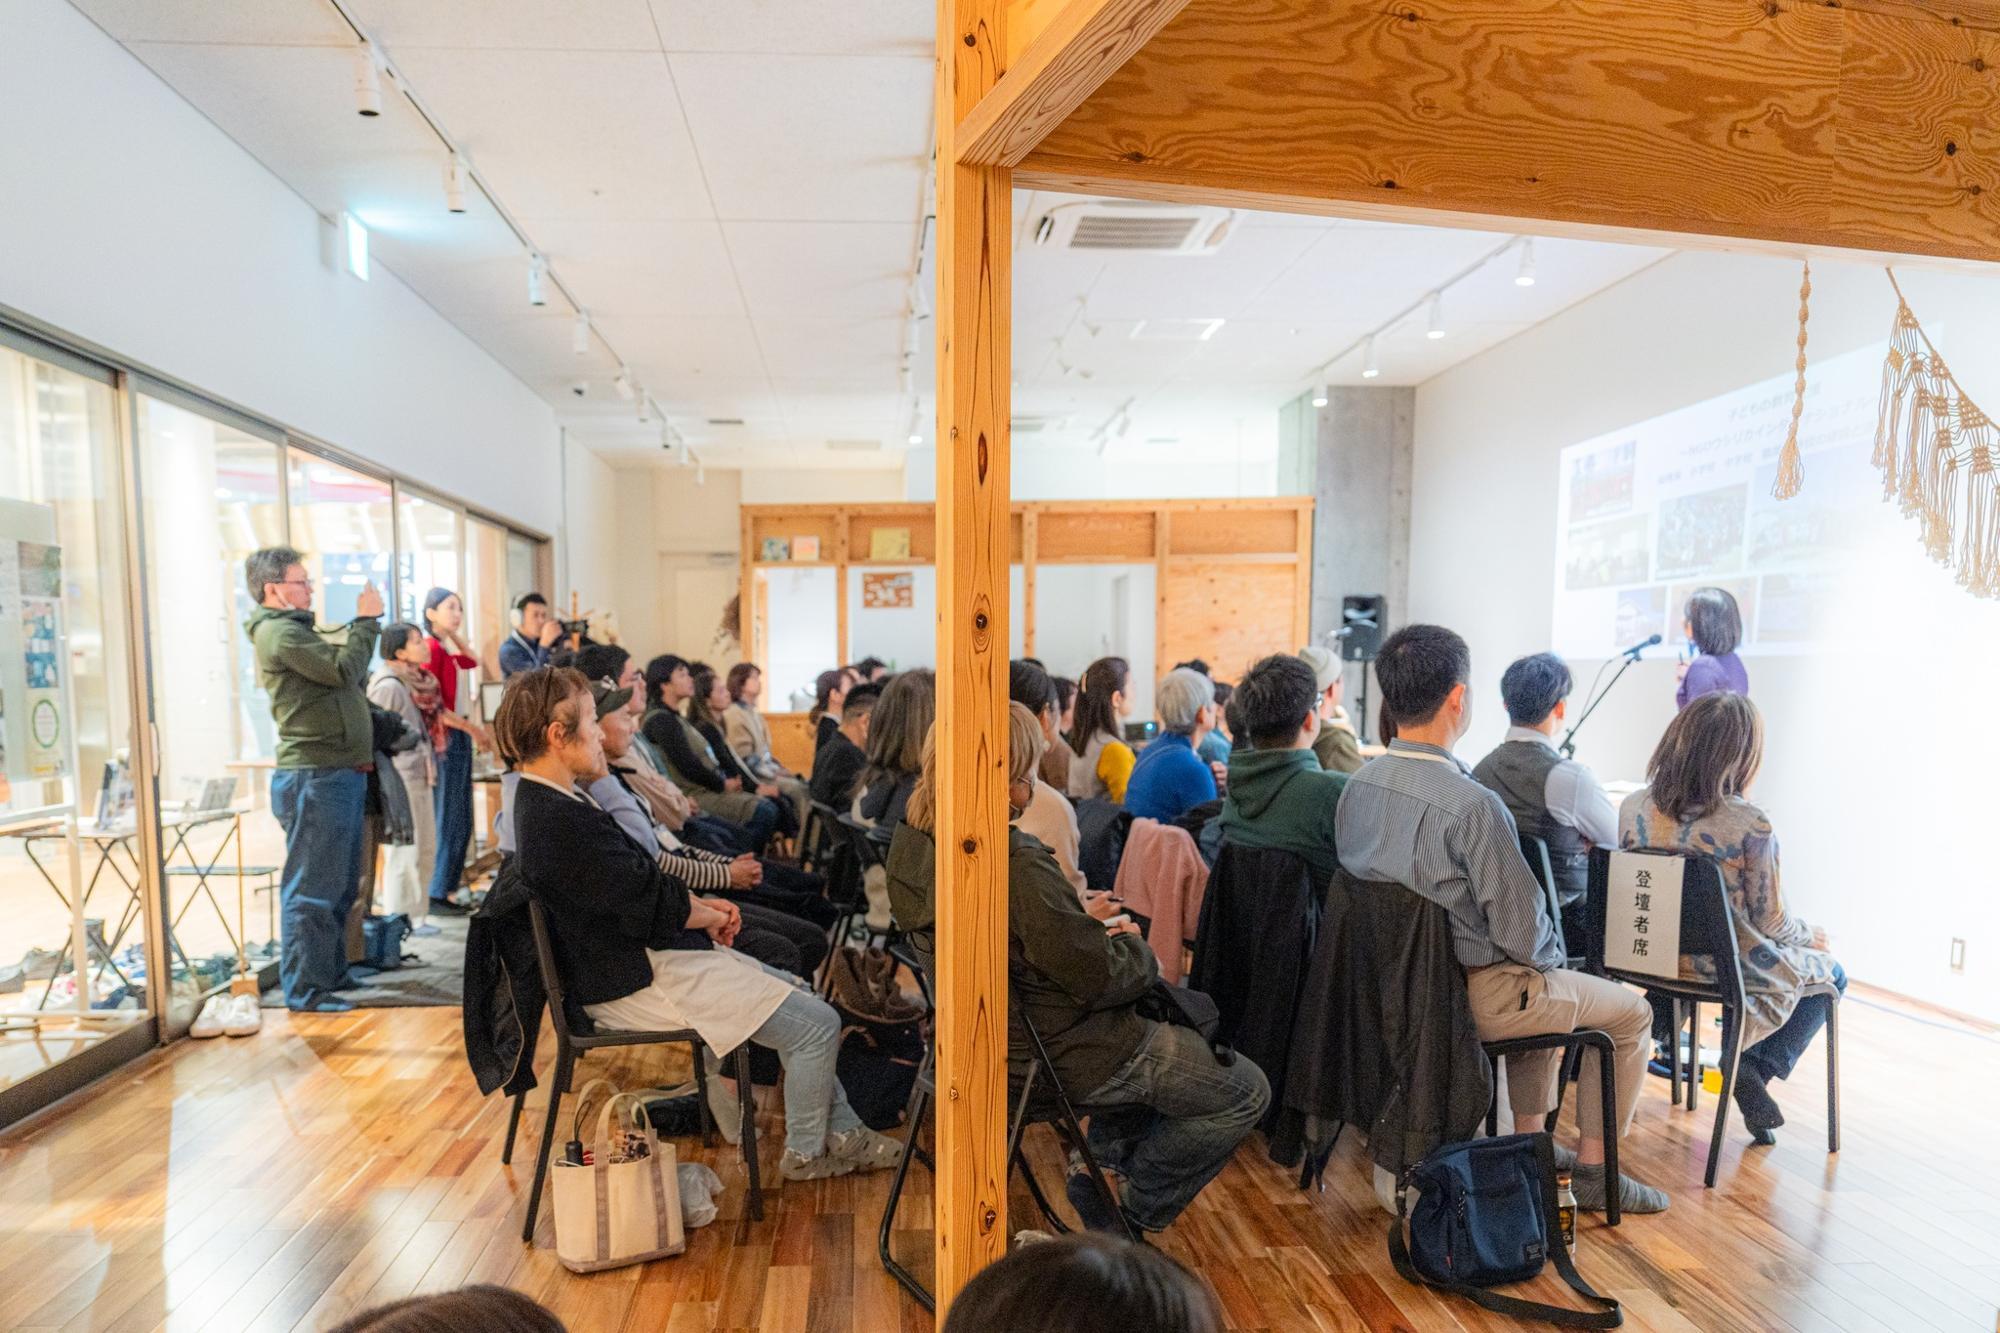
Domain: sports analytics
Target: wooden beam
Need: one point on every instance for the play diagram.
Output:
(1081, 45)
(974, 250)
(1030, 533)
(1859, 127)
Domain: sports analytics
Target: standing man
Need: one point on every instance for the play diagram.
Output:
(325, 749)
(535, 633)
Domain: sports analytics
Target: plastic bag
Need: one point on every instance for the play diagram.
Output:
(699, 1186)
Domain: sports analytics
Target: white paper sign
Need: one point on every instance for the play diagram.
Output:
(1642, 914)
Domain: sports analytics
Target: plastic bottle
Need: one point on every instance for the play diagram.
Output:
(1566, 1211)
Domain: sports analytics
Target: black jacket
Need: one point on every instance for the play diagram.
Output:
(1384, 1037)
(1259, 919)
(388, 799)
(503, 987)
(1101, 827)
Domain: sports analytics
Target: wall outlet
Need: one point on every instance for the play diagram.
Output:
(1958, 955)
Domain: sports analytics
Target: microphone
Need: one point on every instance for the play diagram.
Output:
(1640, 647)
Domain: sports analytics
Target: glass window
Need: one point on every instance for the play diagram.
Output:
(65, 721)
(486, 594)
(342, 520)
(210, 494)
(427, 552)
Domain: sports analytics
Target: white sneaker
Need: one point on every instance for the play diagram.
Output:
(244, 1017)
(212, 1020)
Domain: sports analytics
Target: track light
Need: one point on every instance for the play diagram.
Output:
(1370, 367)
(538, 270)
(367, 81)
(1319, 396)
(623, 384)
(645, 408)
(1436, 329)
(579, 338)
(916, 437)
(454, 183)
(1525, 275)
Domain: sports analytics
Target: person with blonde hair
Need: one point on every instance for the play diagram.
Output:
(1080, 980)
(1696, 801)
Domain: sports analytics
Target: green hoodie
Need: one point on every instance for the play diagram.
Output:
(1283, 799)
(315, 682)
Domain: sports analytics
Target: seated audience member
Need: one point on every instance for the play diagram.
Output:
(1416, 817)
(645, 772)
(481, 1308)
(1055, 759)
(1696, 800)
(750, 736)
(1279, 796)
(1214, 747)
(1080, 983)
(705, 709)
(837, 767)
(639, 952)
(1082, 1284)
(870, 670)
(1557, 800)
(1712, 623)
(1239, 730)
(829, 694)
(1049, 816)
(896, 734)
(1101, 762)
(692, 761)
(1337, 748)
(1171, 777)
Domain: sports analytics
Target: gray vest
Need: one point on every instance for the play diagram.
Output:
(1518, 771)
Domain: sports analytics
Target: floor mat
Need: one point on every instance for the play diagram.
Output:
(436, 980)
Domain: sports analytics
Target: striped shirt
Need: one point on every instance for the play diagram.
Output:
(1417, 817)
(700, 870)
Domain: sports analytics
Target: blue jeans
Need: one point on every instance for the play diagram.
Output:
(1188, 1113)
(1776, 1055)
(453, 803)
(805, 1032)
(321, 812)
(757, 830)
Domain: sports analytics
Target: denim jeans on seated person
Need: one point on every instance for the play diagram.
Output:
(1777, 1054)
(1188, 1113)
(321, 812)
(805, 1032)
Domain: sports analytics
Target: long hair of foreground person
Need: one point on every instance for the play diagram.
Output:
(477, 1309)
(1085, 1283)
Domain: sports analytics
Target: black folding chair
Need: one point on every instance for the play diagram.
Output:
(571, 1044)
(1038, 1099)
(819, 838)
(1535, 851)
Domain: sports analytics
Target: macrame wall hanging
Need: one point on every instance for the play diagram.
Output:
(1791, 473)
(1936, 449)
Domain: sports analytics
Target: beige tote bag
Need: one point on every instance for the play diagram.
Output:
(612, 1213)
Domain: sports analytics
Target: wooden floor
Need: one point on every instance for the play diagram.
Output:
(334, 1161)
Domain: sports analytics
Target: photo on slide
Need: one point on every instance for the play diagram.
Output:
(1601, 482)
(1799, 607)
(1703, 533)
(1602, 554)
(1641, 612)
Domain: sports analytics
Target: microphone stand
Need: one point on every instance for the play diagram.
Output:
(1568, 746)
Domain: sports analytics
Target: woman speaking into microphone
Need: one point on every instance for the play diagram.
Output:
(1714, 626)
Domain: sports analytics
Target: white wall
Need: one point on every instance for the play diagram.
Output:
(128, 219)
(588, 548)
(1878, 759)
(1199, 468)
(821, 486)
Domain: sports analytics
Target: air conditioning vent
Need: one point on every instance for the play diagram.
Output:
(1134, 227)
(854, 446)
(725, 421)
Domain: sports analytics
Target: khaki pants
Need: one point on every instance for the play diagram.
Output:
(1509, 1000)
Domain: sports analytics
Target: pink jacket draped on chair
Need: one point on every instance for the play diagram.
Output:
(1162, 877)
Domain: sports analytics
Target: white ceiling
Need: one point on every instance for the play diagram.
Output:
(735, 190)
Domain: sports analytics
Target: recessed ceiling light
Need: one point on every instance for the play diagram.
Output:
(1436, 329)
(1525, 276)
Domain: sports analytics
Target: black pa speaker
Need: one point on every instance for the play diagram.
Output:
(1361, 626)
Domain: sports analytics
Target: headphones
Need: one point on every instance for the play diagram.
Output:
(517, 612)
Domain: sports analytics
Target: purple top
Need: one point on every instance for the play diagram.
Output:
(1711, 675)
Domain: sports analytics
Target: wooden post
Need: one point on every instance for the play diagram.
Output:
(974, 221)
(1030, 531)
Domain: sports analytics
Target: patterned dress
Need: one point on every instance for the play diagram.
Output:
(1774, 948)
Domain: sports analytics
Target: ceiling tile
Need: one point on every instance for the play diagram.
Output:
(854, 270)
(863, 350)
(667, 351)
(848, 28)
(545, 25)
(810, 138)
(231, 22)
(642, 268)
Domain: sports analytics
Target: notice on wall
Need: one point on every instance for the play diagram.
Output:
(805, 548)
(1642, 914)
(888, 592)
(889, 544)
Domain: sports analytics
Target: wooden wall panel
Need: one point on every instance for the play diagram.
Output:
(1228, 614)
(919, 520)
(1862, 126)
(792, 739)
(1079, 538)
(1216, 532)
(791, 526)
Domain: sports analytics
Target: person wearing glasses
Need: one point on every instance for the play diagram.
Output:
(325, 749)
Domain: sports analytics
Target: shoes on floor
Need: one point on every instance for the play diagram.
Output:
(825, 1166)
(864, 1148)
(242, 1016)
(212, 1020)
(425, 931)
(1760, 1112)
(325, 1004)
(1092, 1208)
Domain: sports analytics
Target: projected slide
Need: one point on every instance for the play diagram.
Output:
(1651, 512)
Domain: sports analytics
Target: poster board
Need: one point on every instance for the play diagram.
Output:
(35, 698)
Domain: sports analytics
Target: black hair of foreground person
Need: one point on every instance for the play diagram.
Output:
(1085, 1283)
(477, 1309)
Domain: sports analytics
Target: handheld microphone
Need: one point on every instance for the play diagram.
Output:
(1640, 647)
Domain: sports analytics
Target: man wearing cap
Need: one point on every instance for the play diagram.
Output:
(1337, 748)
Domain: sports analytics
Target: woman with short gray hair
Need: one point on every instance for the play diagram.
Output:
(1171, 778)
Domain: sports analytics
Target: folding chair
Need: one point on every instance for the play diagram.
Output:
(570, 1044)
(1707, 929)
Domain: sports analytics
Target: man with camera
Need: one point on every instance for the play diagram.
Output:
(325, 748)
(536, 632)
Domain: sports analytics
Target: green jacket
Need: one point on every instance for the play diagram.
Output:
(1336, 749)
(1283, 799)
(315, 682)
(1077, 983)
